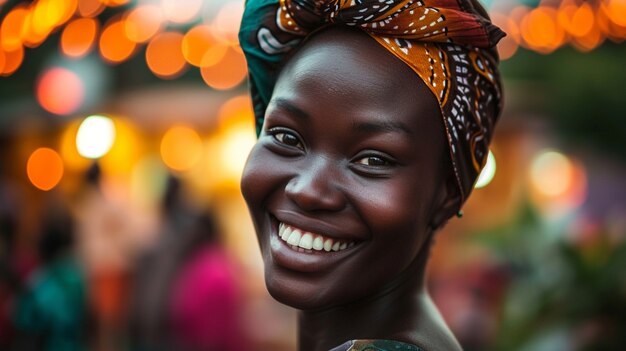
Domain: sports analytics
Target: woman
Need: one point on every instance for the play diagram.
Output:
(374, 119)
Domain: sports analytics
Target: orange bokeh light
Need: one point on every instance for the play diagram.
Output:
(49, 14)
(60, 91)
(31, 37)
(181, 148)
(12, 61)
(115, 46)
(79, 36)
(11, 29)
(90, 8)
(201, 48)
(227, 73)
(578, 21)
(541, 30)
(44, 168)
(143, 22)
(164, 55)
(616, 10)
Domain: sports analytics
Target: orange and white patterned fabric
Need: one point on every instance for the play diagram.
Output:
(450, 44)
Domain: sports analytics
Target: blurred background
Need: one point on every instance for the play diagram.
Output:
(124, 127)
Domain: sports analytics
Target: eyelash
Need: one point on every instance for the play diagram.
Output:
(276, 132)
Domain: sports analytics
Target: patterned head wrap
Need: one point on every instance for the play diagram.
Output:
(448, 43)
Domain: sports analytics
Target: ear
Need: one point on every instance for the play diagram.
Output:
(448, 203)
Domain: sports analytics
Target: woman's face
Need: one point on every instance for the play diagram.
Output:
(347, 173)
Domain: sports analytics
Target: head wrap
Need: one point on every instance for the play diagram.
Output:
(448, 43)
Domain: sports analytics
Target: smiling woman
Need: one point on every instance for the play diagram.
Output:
(361, 158)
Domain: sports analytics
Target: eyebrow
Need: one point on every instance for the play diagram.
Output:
(284, 104)
(382, 127)
(364, 127)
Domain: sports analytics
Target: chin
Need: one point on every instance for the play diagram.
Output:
(293, 292)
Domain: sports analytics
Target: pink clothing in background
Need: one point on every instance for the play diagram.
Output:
(205, 305)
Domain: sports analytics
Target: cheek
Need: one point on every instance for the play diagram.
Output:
(393, 206)
(398, 217)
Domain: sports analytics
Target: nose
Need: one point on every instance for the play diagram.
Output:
(316, 187)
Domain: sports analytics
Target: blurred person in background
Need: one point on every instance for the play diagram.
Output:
(186, 294)
(105, 248)
(51, 312)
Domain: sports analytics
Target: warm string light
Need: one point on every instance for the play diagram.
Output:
(211, 45)
(581, 24)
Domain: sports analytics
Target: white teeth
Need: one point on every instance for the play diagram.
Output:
(294, 238)
(286, 233)
(328, 244)
(307, 242)
(318, 243)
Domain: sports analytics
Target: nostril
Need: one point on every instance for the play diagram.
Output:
(314, 192)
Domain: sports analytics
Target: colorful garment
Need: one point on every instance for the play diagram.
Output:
(448, 43)
(376, 345)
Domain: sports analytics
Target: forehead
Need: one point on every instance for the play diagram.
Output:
(345, 72)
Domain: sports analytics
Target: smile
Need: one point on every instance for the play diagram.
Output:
(303, 241)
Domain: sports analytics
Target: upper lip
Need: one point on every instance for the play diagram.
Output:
(317, 226)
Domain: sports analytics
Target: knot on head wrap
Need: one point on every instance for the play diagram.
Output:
(450, 44)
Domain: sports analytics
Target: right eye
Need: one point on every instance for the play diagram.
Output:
(287, 138)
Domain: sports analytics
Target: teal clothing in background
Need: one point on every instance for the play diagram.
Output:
(376, 345)
(50, 313)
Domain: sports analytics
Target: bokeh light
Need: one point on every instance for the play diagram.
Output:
(12, 61)
(551, 173)
(78, 37)
(541, 31)
(227, 73)
(44, 168)
(60, 91)
(181, 11)
(164, 55)
(558, 183)
(115, 46)
(95, 136)
(201, 48)
(488, 172)
(125, 151)
(90, 8)
(32, 35)
(617, 11)
(181, 148)
(143, 22)
(11, 28)
(237, 143)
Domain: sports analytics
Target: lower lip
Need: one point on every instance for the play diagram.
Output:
(315, 261)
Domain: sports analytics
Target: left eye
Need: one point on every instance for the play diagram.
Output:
(374, 161)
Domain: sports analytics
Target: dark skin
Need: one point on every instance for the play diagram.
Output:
(352, 149)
